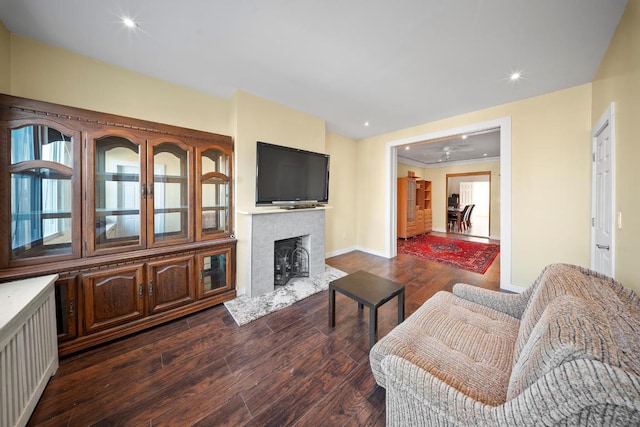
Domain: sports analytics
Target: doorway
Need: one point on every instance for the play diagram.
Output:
(504, 124)
(471, 188)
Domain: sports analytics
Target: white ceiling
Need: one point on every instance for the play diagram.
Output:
(394, 63)
(452, 150)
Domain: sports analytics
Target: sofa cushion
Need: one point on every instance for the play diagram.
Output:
(620, 305)
(570, 328)
(464, 344)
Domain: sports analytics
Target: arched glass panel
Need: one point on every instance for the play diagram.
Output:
(170, 192)
(41, 192)
(117, 192)
(215, 192)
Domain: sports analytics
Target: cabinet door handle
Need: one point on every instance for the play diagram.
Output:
(150, 191)
(71, 307)
(143, 190)
(201, 275)
(140, 291)
(602, 247)
(151, 287)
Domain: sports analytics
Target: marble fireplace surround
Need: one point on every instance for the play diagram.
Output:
(266, 226)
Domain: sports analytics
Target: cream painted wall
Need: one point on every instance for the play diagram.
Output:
(46, 73)
(5, 59)
(341, 218)
(258, 119)
(370, 196)
(550, 169)
(438, 178)
(403, 170)
(618, 80)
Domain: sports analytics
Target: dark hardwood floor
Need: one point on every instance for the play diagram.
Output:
(286, 368)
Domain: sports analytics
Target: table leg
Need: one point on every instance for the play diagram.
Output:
(373, 326)
(401, 307)
(332, 307)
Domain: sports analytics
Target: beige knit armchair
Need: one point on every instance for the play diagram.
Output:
(564, 352)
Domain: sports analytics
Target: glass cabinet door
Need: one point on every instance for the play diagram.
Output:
(118, 194)
(214, 187)
(214, 272)
(169, 192)
(44, 192)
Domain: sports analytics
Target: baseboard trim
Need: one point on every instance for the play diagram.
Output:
(372, 252)
(355, 248)
(339, 252)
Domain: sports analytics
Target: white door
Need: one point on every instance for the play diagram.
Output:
(602, 194)
(466, 193)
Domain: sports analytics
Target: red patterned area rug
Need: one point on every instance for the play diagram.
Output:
(471, 256)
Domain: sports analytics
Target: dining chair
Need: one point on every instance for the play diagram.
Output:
(465, 217)
(468, 219)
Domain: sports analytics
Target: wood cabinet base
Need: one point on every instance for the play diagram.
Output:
(87, 341)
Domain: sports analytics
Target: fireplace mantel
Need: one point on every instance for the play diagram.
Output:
(272, 210)
(267, 225)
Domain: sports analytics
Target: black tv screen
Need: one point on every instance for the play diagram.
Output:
(289, 176)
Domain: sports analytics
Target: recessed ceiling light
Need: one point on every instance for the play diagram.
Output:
(129, 23)
(485, 154)
(464, 136)
(406, 148)
(515, 76)
(366, 124)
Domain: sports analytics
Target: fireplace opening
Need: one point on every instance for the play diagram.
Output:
(291, 260)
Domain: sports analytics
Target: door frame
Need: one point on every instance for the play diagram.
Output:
(391, 158)
(478, 173)
(608, 118)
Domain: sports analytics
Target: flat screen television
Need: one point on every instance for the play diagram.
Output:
(290, 177)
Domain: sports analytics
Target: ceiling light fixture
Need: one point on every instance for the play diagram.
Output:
(515, 76)
(366, 124)
(464, 136)
(129, 23)
(406, 148)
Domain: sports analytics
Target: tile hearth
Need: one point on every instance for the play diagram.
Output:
(244, 309)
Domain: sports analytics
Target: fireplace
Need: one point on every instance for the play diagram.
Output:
(264, 228)
(290, 259)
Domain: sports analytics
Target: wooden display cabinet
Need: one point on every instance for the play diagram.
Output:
(424, 204)
(414, 207)
(134, 216)
(406, 207)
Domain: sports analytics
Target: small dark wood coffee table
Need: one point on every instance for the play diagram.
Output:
(370, 290)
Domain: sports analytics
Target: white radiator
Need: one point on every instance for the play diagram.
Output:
(28, 346)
